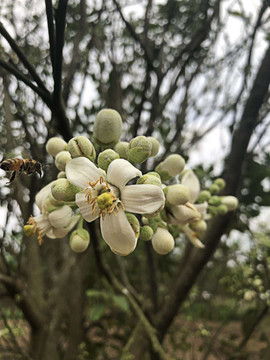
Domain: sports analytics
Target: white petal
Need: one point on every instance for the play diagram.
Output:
(61, 217)
(118, 233)
(120, 171)
(80, 171)
(73, 222)
(85, 208)
(43, 223)
(142, 199)
(185, 213)
(202, 208)
(60, 233)
(42, 195)
(50, 234)
(191, 181)
(191, 235)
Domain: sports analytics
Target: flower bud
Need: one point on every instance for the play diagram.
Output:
(199, 227)
(250, 295)
(81, 146)
(222, 209)
(145, 221)
(214, 189)
(63, 190)
(155, 146)
(139, 149)
(122, 148)
(61, 175)
(146, 233)
(28, 230)
(162, 241)
(55, 145)
(183, 214)
(61, 159)
(215, 200)
(176, 194)
(107, 127)
(79, 240)
(149, 179)
(134, 222)
(220, 183)
(106, 157)
(203, 196)
(170, 167)
(230, 201)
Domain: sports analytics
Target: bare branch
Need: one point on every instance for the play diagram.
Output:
(51, 31)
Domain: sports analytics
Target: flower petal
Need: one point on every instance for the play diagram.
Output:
(60, 232)
(118, 233)
(120, 171)
(202, 208)
(191, 235)
(80, 171)
(43, 223)
(42, 195)
(61, 217)
(191, 181)
(85, 208)
(184, 214)
(142, 199)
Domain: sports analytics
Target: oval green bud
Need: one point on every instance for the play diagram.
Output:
(220, 183)
(146, 233)
(107, 127)
(215, 200)
(170, 167)
(145, 221)
(155, 146)
(106, 157)
(55, 145)
(81, 146)
(139, 149)
(63, 190)
(149, 179)
(162, 241)
(61, 175)
(79, 240)
(214, 189)
(177, 194)
(204, 196)
(134, 222)
(61, 159)
(199, 227)
(122, 149)
(230, 201)
(222, 209)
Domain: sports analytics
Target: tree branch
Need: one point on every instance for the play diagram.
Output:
(51, 31)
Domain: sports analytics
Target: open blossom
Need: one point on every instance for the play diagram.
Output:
(54, 224)
(108, 196)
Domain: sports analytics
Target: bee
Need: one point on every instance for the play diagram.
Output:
(19, 166)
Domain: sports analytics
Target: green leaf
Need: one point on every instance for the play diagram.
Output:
(96, 312)
(121, 302)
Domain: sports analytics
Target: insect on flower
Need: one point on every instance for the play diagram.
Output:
(18, 166)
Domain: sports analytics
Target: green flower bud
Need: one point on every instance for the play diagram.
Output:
(63, 190)
(162, 241)
(204, 196)
(176, 194)
(134, 222)
(106, 157)
(215, 200)
(28, 230)
(199, 227)
(139, 149)
(81, 146)
(170, 167)
(146, 233)
(61, 159)
(154, 174)
(145, 221)
(61, 175)
(79, 240)
(230, 201)
(214, 189)
(55, 145)
(155, 146)
(122, 149)
(149, 179)
(222, 209)
(107, 127)
(220, 183)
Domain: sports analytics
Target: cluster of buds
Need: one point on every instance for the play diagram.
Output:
(98, 179)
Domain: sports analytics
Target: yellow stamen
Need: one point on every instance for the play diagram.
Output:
(36, 230)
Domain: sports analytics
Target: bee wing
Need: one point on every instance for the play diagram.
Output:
(26, 155)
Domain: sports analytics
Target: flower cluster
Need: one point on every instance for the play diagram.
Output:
(110, 187)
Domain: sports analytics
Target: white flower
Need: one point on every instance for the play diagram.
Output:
(110, 198)
(55, 224)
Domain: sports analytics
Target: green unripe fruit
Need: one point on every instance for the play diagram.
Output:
(122, 149)
(63, 190)
(204, 195)
(146, 233)
(222, 209)
(61, 159)
(79, 240)
(176, 194)
(55, 145)
(106, 157)
(107, 128)
(214, 189)
(220, 183)
(139, 150)
(81, 146)
(155, 146)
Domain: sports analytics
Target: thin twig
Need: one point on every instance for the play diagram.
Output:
(51, 31)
